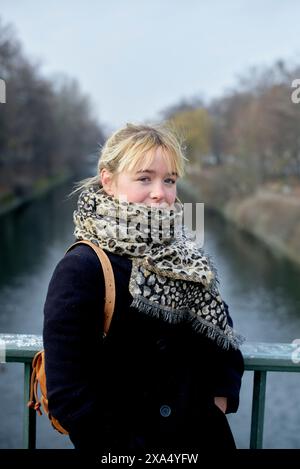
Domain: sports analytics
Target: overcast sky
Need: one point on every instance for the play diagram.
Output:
(137, 57)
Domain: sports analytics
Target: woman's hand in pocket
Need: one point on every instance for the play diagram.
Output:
(221, 402)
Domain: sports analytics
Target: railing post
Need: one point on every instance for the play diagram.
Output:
(29, 418)
(258, 409)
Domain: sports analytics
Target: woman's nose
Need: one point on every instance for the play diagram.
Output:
(157, 192)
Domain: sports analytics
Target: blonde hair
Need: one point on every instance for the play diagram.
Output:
(124, 149)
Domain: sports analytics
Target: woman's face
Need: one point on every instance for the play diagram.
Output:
(152, 186)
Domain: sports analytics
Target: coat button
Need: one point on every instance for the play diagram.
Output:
(165, 411)
(161, 344)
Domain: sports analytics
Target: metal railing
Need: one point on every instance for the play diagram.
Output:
(260, 358)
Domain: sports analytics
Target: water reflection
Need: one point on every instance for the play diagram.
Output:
(263, 288)
(27, 233)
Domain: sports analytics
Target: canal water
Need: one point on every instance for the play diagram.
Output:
(262, 291)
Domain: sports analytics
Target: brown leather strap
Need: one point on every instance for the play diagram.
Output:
(109, 279)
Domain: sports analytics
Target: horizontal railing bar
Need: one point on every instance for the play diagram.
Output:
(271, 368)
(258, 356)
(271, 356)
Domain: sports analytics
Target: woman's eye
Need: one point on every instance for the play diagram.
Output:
(144, 179)
(170, 181)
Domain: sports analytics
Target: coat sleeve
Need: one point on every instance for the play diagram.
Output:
(73, 327)
(229, 372)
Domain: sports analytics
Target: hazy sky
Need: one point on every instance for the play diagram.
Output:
(136, 57)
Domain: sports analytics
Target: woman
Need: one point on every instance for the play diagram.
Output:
(169, 368)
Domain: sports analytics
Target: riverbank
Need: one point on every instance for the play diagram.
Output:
(270, 214)
(10, 201)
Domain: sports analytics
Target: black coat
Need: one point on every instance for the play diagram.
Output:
(149, 384)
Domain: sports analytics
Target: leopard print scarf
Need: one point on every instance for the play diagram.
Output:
(171, 277)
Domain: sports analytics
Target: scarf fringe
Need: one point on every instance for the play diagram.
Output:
(225, 341)
(211, 331)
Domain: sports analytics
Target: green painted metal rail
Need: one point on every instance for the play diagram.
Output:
(260, 358)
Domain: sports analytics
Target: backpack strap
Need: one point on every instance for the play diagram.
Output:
(33, 395)
(109, 280)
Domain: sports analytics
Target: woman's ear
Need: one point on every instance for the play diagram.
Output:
(106, 179)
